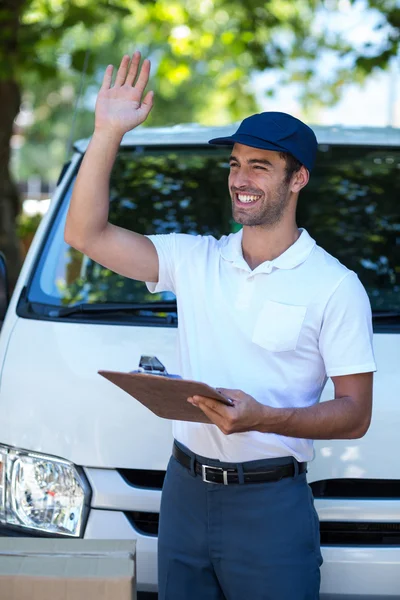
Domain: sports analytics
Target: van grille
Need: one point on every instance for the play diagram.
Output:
(329, 488)
(360, 534)
(356, 488)
(143, 478)
(332, 533)
(144, 522)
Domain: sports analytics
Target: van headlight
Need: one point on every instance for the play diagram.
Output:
(42, 493)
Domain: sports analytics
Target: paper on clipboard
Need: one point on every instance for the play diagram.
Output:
(164, 396)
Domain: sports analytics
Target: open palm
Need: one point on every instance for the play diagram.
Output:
(120, 107)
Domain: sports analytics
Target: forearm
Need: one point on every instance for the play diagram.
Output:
(88, 212)
(340, 418)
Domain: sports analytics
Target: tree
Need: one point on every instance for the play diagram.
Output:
(203, 53)
(330, 59)
(30, 32)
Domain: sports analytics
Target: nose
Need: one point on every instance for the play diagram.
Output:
(240, 179)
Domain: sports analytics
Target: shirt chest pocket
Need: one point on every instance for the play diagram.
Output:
(278, 326)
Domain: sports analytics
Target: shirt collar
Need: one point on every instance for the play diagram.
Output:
(296, 254)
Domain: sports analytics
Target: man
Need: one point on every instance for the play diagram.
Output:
(265, 310)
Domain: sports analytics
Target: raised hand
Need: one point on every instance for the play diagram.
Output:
(120, 108)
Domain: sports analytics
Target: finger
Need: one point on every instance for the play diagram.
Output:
(196, 399)
(121, 73)
(211, 404)
(133, 69)
(147, 103)
(214, 417)
(232, 394)
(143, 76)
(107, 78)
(146, 106)
(225, 395)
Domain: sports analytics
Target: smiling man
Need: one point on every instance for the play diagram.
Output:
(269, 174)
(267, 311)
(267, 316)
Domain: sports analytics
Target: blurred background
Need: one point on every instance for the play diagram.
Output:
(213, 62)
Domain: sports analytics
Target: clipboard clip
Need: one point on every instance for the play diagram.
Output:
(150, 365)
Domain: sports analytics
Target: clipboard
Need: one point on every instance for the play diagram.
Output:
(164, 396)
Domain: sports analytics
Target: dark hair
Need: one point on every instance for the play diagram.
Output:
(292, 164)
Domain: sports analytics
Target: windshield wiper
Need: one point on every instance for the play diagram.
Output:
(112, 307)
(389, 315)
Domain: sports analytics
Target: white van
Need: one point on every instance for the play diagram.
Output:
(81, 458)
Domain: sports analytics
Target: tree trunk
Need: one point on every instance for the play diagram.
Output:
(9, 198)
(10, 100)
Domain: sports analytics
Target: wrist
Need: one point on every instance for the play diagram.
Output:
(107, 135)
(273, 420)
(264, 418)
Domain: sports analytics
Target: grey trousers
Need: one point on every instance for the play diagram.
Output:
(257, 541)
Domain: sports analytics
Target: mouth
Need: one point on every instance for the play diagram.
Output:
(245, 199)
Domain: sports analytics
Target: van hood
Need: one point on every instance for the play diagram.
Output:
(53, 400)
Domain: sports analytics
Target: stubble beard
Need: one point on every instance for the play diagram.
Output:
(268, 213)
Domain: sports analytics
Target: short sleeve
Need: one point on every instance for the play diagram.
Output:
(176, 255)
(345, 339)
(165, 245)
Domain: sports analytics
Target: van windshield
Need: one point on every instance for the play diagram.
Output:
(151, 191)
(350, 207)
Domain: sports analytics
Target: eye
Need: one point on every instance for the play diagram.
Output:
(260, 168)
(232, 165)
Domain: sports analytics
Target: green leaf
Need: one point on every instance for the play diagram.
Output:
(81, 57)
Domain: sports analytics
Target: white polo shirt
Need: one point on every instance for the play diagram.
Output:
(276, 332)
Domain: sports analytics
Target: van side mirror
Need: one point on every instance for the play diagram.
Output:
(4, 291)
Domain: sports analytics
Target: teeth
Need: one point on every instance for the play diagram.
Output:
(246, 198)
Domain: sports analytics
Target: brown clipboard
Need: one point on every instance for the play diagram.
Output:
(164, 396)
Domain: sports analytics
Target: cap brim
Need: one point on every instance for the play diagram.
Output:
(253, 142)
(246, 140)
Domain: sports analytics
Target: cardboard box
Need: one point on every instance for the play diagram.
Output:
(67, 569)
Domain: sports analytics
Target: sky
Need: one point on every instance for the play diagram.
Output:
(376, 103)
(373, 104)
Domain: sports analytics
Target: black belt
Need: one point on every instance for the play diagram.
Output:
(211, 474)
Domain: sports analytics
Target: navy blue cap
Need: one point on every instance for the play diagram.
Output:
(275, 131)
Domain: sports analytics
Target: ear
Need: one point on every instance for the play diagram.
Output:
(299, 180)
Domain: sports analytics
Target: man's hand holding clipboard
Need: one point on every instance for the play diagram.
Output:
(165, 396)
(243, 414)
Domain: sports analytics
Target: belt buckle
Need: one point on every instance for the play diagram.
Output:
(223, 471)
